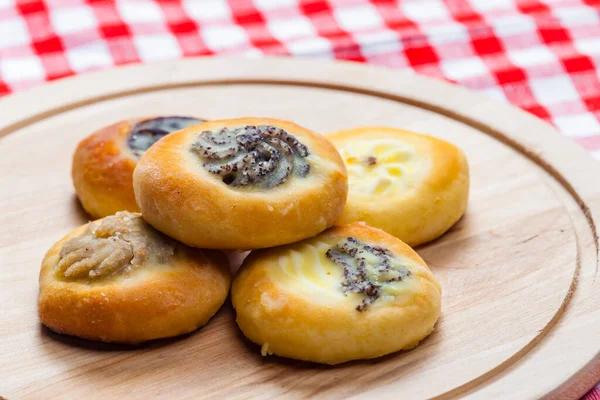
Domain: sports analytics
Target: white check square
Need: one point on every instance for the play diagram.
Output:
(207, 10)
(554, 90)
(512, 25)
(70, 20)
(138, 12)
(494, 93)
(380, 42)
(311, 47)
(21, 69)
(157, 47)
(358, 18)
(13, 32)
(532, 56)
(89, 56)
(576, 16)
(463, 67)
(274, 4)
(285, 29)
(577, 125)
(224, 36)
(590, 46)
(490, 5)
(420, 11)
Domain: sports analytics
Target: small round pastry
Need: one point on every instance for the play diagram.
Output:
(353, 292)
(103, 162)
(243, 183)
(413, 186)
(119, 280)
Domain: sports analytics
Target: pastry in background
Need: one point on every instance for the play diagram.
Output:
(352, 292)
(103, 162)
(243, 183)
(413, 186)
(119, 280)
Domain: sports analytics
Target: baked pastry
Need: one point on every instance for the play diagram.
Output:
(352, 292)
(103, 162)
(242, 183)
(119, 280)
(413, 186)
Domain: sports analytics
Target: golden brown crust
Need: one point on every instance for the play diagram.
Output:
(308, 324)
(152, 302)
(102, 170)
(180, 198)
(433, 201)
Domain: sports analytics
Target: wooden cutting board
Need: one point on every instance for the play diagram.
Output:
(521, 315)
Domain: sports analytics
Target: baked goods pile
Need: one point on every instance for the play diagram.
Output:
(329, 221)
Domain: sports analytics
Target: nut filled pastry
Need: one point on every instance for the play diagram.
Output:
(119, 280)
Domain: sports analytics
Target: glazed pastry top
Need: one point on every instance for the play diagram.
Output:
(262, 156)
(145, 133)
(347, 269)
(113, 246)
(383, 167)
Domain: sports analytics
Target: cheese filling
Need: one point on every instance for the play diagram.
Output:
(317, 272)
(382, 167)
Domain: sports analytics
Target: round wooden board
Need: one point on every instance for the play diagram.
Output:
(521, 302)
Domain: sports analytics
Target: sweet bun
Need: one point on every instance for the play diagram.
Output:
(103, 162)
(119, 280)
(352, 292)
(243, 183)
(413, 186)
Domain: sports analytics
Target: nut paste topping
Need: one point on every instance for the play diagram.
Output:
(116, 245)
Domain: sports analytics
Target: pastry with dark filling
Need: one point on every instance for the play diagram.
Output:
(103, 162)
(412, 186)
(241, 184)
(119, 280)
(353, 292)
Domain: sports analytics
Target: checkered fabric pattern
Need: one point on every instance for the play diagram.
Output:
(542, 56)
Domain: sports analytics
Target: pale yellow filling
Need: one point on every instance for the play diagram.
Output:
(383, 167)
(307, 271)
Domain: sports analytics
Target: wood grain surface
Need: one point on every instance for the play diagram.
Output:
(521, 302)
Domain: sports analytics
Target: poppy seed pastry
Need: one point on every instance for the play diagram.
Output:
(353, 292)
(103, 162)
(119, 280)
(412, 186)
(243, 183)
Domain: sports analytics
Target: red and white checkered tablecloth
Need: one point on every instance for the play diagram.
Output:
(542, 56)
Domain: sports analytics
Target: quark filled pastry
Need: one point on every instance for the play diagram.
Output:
(119, 280)
(103, 162)
(413, 186)
(243, 183)
(352, 292)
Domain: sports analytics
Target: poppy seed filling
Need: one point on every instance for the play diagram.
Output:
(366, 268)
(264, 156)
(145, 133)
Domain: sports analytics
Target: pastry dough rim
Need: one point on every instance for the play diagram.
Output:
(294, 327)
(181, 199)
(141, 309)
